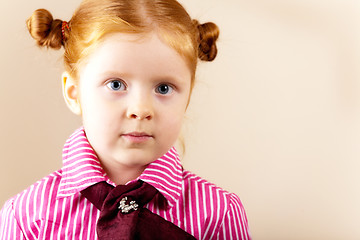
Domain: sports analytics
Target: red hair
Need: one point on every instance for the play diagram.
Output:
(94, 19)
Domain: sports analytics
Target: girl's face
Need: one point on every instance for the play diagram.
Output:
(133, 93)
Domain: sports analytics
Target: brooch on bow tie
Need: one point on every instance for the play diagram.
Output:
(125, 208)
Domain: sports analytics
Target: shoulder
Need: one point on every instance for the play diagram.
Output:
(193, 182)
(220, 210)
(41, 188)
(209, 194)
(28, 204)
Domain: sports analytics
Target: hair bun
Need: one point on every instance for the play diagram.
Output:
(44, 29)
(208, 34)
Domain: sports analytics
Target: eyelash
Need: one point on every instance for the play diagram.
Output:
(122, 84)
(169, 86)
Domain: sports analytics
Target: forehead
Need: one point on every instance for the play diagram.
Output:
(134, 54)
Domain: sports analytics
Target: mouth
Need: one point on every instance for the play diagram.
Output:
(137, 137)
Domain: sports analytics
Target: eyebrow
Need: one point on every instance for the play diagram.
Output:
(159, 78)
(112, 73)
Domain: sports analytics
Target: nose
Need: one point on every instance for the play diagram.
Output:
(140, 109)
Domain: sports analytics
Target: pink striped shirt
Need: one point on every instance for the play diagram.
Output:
(53, 208)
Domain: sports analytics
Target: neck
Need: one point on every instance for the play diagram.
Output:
(121, 174)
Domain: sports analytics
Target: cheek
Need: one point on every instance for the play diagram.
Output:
(97, 112)
(92, 102)
(171, 122)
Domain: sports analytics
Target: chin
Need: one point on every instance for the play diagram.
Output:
(135, 160)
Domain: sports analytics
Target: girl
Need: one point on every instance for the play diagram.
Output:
(130, 68)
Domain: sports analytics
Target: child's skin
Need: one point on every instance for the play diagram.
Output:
(132, 94)
(130, 68)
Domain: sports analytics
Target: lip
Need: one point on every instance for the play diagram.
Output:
(137, 137)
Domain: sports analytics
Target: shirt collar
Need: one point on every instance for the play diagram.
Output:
(165, 174)
(82, 168)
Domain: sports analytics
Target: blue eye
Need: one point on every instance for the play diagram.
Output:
(164, 89)
(116, 85)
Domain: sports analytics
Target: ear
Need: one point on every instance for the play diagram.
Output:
(71, 93)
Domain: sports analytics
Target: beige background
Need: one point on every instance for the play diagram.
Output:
(276, 118)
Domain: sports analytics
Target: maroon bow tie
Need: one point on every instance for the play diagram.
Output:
(123, 216)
